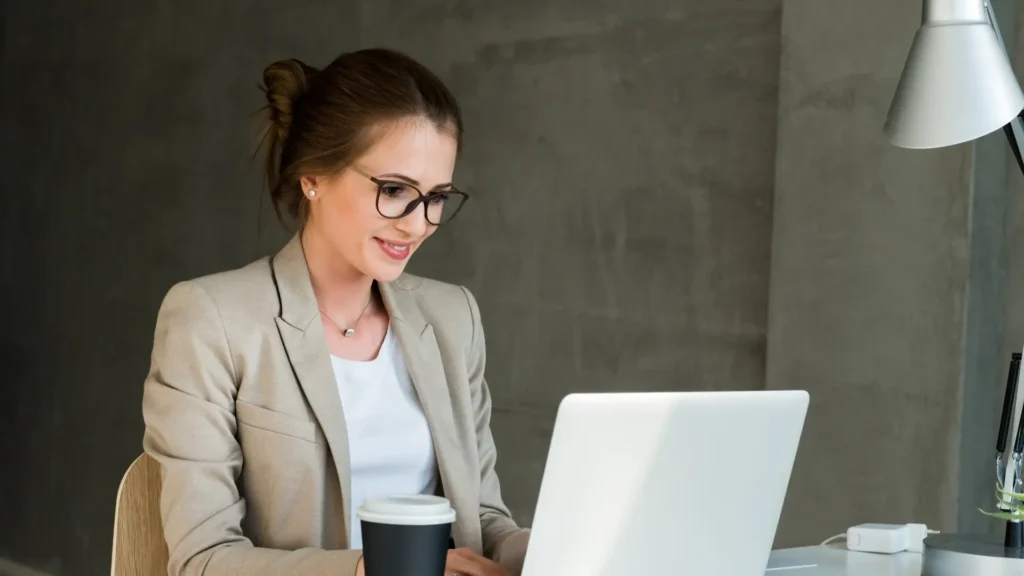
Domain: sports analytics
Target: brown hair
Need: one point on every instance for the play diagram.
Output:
(319, 121)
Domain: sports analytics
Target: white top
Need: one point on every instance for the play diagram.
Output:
(390, 447)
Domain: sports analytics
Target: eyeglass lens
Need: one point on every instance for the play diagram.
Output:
(396, 200)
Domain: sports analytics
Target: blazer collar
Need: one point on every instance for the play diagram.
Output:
(303, 337)
(295, 289)
(299, 307)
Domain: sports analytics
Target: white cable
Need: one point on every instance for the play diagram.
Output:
(833, 539)
(916, 534)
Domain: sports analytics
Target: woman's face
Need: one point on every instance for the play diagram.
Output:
(344, 210)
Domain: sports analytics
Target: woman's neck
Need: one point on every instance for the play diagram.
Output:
(340, 288)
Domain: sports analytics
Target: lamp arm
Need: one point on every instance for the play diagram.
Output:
(1014, 130)
(991, 13)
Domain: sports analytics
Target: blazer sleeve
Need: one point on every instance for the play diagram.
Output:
(188, 407)
(504, 541)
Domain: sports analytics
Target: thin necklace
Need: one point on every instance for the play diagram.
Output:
(349, 332)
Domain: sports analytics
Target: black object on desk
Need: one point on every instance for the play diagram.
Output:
(1008, 400)
(1014, 537)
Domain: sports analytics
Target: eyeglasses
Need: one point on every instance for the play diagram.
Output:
(397, 199)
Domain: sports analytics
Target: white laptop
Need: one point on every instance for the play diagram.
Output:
(665, 484)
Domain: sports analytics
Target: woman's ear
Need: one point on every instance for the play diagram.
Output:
(308, 183)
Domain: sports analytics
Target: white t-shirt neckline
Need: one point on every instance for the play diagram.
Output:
(391, 451)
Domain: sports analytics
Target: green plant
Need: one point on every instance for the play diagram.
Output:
(1016, 504)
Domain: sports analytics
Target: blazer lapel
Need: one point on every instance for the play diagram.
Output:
(304, 340)
(426, 369)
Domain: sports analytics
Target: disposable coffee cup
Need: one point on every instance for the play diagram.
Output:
(405, 535)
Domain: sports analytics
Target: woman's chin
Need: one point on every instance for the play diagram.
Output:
(386, 272)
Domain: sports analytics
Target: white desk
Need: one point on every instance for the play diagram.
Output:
(836, 560)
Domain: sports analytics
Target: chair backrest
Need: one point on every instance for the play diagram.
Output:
(139, 546)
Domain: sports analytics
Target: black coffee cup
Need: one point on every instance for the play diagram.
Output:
(405, 535)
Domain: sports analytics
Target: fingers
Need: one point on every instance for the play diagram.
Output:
(461, 565)
(465, 562)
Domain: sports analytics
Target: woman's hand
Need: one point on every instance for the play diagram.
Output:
(465, 562)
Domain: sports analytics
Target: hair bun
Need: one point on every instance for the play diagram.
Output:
(283, 83)
(320, 121)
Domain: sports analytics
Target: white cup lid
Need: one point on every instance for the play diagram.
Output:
(412, 510)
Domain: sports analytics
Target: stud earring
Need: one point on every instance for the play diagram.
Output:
(312, 193)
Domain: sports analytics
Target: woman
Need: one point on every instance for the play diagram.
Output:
(283, 393)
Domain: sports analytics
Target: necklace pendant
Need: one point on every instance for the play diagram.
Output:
(348, 332)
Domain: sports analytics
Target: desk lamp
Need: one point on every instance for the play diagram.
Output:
(958, 85)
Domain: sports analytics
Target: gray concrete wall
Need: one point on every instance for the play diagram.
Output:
(985, 357)
(870, 258)
(622, 163)
(1014, 341)
(621, 156)
(127, 142)
(893, 276)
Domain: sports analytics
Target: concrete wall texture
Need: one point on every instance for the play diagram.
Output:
(669, 195)
(623, 166)
(892, 283)
(1014, 222)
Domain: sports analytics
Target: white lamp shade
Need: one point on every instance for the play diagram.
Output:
(957, 85)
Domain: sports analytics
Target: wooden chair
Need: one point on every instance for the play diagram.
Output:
(139, 546)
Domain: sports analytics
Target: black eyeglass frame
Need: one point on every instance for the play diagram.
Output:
(423, 198)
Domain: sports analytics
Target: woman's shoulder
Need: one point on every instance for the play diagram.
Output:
(234, 294)
(441, 303)
(436, 295)
(252, 280)
(429, 288)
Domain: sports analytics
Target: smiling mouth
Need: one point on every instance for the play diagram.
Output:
(399, 247)
(395, 251)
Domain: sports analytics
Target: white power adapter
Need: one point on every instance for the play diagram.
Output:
(887, 538)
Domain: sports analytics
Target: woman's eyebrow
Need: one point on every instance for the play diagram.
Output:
(413, 181)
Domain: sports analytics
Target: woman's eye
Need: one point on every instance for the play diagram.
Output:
(392, 190)
(437, 197)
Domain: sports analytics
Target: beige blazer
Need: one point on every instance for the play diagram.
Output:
(243, 413)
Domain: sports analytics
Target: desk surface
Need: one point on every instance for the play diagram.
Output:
(836, 560)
